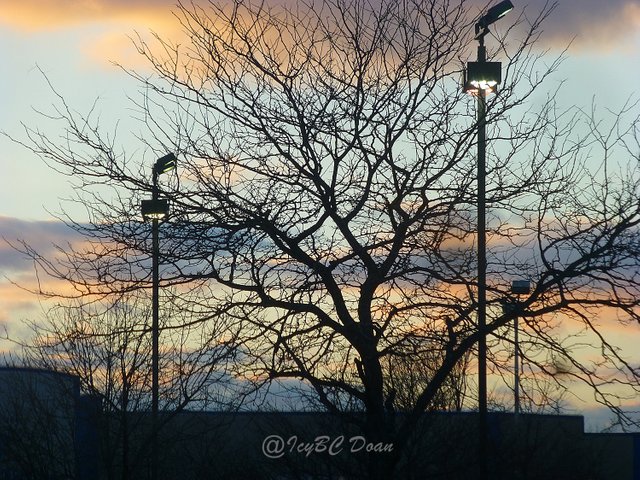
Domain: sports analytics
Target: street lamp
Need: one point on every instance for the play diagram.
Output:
(481, 79)
(156, 209)
(518, 287)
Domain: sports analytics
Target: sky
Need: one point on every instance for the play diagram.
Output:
(74, 43)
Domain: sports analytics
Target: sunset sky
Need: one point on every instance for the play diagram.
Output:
(75, 42)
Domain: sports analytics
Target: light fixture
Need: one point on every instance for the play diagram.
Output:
(521, 287)
(164, 164)
(482, 76)
(513, 307)
(155, 208)
(494, 13)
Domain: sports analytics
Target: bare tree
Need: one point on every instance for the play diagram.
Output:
(324, 207)
(407, 375)
(107, 345)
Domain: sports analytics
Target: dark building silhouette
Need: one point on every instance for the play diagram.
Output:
(49, 431)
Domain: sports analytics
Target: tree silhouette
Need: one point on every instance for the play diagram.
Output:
(324, 205)
(107, 346)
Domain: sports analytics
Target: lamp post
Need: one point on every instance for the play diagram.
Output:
(482, 78)
(518, 287)
(156, 209)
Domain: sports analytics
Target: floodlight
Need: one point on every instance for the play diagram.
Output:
(155, 209)
(494, 13)
(482, 76)
(164, 164)
(521, 287)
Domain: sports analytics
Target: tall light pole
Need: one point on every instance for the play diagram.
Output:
(482, 78)
(513, 307)
(156, 209)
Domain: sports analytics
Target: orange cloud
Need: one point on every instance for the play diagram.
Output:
(593, 23)
(112, 23)
(16, 300)
(54, 14)
(595, 26)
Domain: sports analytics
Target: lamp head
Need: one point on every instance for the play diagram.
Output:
(494, 13)
(482, 76)
(521, 287)
(155, 209)
(164, 164)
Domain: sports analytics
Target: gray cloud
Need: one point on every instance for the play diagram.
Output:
(592, 24)
(42, 236)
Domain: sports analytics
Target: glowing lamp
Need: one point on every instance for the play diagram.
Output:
(482, 76)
